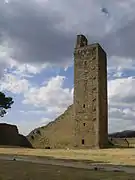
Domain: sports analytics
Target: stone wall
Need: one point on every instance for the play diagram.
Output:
(103, 101)
(90, 95)
(57, 134)
(85, 96)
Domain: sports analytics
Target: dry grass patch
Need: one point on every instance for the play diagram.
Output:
(110, 156)
(12, 170)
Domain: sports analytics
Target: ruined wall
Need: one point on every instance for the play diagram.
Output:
(57, 134)
(9, 136)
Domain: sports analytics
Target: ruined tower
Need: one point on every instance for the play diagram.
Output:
(90, 95)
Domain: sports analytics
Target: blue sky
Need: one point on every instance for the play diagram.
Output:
(37, 39)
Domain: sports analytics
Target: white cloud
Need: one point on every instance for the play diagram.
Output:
(122, 113)
(25, 127)
(44, 121)
(14, 84)
(116, 125)
(120, 63)
(121, 119)
(121, 91)
(119, 66)
(51, 96)
(27, 70)
(121, 104)
(32, 112)
(5, 59)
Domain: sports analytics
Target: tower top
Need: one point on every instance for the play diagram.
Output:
(81, 41)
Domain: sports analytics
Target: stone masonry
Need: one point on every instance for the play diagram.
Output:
(85, 123)
(90, 95)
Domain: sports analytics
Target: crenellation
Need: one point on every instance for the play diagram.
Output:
(81, 41)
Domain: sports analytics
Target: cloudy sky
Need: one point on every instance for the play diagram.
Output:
(37, 40)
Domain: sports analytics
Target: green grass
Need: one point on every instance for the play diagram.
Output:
(12, 170)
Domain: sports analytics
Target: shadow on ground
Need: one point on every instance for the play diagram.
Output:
(81, 164)
(25, 171)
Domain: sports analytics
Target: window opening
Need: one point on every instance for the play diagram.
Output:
(82, 141)
(85, 62)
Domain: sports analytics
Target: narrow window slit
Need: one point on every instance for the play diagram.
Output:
(82, 141)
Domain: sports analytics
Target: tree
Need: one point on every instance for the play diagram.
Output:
(5, 103)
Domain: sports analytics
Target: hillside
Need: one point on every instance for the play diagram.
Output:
(123, 134)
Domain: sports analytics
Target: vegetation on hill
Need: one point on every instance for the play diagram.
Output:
(123, 134)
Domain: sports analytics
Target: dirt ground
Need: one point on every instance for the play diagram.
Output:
(13, 170)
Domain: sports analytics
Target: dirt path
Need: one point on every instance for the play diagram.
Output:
(70, 163)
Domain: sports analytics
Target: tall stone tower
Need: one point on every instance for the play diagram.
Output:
(90, 95)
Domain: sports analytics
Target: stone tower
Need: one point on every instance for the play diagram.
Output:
(90, 95)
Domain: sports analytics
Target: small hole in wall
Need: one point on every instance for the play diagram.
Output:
(85, 62)
(32, 137)
(83, 124)
(93, 88)
(94, 99)
(48, 147)
(82, 141)
(83, 105)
